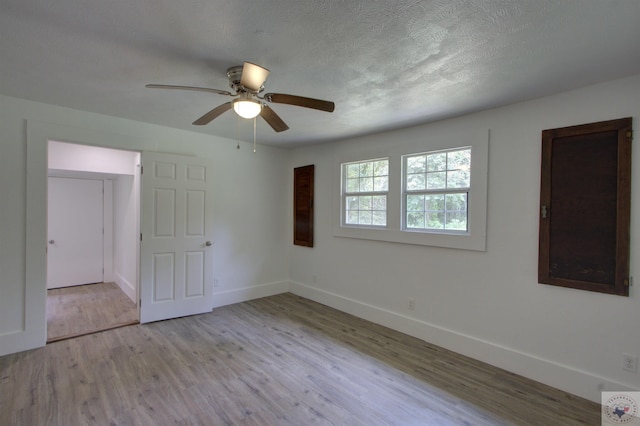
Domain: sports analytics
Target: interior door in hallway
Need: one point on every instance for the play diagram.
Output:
(75, 232)
(176, 255)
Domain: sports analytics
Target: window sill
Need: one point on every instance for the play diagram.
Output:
(462, 241)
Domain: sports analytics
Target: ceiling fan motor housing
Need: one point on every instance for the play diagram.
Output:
(234, 74)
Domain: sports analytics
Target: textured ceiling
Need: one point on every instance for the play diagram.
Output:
(386, 64)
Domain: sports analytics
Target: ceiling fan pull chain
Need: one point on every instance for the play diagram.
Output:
(238, 132)
(254, 135)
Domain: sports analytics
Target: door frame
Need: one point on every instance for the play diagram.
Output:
(33, 333)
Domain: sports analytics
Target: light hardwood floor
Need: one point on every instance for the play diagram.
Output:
(281, 360)
(83, 309)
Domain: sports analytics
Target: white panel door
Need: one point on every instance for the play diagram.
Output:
(176, 255)
(75, 232)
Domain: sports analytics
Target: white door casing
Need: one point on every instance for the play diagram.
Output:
(75, 232)
(176, 253)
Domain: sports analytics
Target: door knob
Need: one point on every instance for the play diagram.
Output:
(208, 244)
(52, 242)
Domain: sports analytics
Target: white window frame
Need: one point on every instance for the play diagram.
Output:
(345, 194)
(415, 142)
(445, 191)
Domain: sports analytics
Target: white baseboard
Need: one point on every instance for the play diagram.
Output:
(248, 293)
(566, 378)
(127, 287)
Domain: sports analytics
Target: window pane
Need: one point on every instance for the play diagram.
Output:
(436, 180)
(364, 218)
(381, 168)
(366, 184)
(353, 185)
(381, 183)
(365, 203)
(352, 218)
(352, 203)
(435, 220)
(353, 170)
(379, 202)
(415, 182)
(416, 164)
(434, 202)
(460, 160)
(458, 179)
(456, 202)
(379, 218)
(457, 221)
(415, 203)
(366, 169)
(437, 162)
(415, 220)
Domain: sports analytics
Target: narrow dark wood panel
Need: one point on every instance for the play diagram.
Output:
(281, 360)
(303, 205)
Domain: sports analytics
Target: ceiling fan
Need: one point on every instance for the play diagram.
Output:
(247, 81)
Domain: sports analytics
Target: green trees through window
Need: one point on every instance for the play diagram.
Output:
(436, 190)
(365, 188)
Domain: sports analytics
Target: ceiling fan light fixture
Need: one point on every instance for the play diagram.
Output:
(247, 108)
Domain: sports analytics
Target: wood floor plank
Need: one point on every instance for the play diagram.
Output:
(78, 310)
(280, 360)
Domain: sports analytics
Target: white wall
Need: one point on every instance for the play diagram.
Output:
(485, 304)
(126, 205)
(250, 257)
(74, 157)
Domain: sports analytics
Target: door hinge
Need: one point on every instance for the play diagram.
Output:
(543, 212)
(141, 170)
(630, 134)
(141, 237)
(140, 300)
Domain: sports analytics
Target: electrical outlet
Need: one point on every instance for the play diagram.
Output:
(412, 304)
(216, 282)
(630, 362)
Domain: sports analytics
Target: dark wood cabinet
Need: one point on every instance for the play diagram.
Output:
(585, 207)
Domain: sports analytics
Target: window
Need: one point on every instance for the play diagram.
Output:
(417, 189)
(365, 185)
(436, 190)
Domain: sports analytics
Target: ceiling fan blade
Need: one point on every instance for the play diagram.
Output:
(253, 76)
(208, 117)
(196, 89)
(273, 119)
(281, 98)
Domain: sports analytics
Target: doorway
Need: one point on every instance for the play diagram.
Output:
(92, 252)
